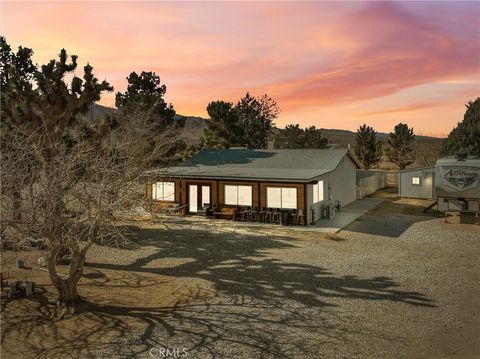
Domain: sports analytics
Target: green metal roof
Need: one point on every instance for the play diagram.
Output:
(300, 165)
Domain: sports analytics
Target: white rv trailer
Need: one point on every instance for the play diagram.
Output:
(457, 184)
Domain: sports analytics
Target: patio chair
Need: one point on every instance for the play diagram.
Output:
(262, 214)
(242, 214)
(248, 214)
(205, 210)
(292, 216)
(254, 214)
(300, 217)
(268, 215)
(238, 214)
(276, 216)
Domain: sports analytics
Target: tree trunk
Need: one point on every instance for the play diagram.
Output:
(67, 293)
(68, 296)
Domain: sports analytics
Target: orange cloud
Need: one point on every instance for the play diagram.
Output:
(326, 63)
(411, 108)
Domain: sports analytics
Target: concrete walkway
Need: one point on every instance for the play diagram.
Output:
(346, 215)
(343, 218)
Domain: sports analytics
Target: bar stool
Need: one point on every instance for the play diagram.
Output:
(254, 215)
(262, 214)
(300, 217)
(276, 216)
(292, 216)
(268, 215)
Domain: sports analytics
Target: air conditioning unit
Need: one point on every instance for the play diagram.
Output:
(328, 210)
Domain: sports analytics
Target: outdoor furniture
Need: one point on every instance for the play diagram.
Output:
(254, 216)
(262, 214)
(244, 215)
(276, 216)
(230, 212)
(292, 216)
(205, 210)
(300, 217)
(268, 215)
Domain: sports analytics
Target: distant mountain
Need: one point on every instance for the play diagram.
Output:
(194, 127)
(98, 111)
(344, 137)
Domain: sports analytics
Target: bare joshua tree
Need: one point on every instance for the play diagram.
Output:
(80, 195)
(65, 178)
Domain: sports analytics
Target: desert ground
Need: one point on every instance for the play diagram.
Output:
(396, 283)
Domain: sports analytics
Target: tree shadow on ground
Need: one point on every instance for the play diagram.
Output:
(277, 294)
(254, 306)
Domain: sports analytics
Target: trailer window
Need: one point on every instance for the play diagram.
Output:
(416, 181)
(163, 191)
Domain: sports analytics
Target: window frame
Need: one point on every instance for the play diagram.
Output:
(316, 188)
(161, 184)
(237, 186)
(419, 181)
(281, 197)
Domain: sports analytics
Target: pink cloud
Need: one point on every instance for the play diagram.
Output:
(312, 57)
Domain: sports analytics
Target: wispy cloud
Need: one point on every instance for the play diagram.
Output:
(324, 62)
(411, 108)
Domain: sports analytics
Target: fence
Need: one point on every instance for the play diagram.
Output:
(369, 182)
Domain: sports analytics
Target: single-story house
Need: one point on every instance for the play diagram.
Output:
(305, 180)
(417, 183)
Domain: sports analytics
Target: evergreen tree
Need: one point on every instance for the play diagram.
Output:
(145, 98)
(249, 123)
(310, 137)
(313, 138)
(367, 149)
(145, 94)
(466, 136)
(400, 150)
(256, 117)
(294, 135)
(223, 129)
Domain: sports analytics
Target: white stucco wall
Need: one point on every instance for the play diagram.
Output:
(423, 190)
(338, 185)
(309, 202)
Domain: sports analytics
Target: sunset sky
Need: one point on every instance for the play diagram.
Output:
(329, 64)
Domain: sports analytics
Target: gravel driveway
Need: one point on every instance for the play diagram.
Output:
(393, 284)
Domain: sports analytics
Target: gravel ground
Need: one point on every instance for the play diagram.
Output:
(392, 285)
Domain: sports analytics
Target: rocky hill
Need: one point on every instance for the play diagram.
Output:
(194, 127)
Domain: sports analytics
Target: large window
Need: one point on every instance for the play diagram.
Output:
(238, 195)
(163, 191)
(281, 197)
(318, 192)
